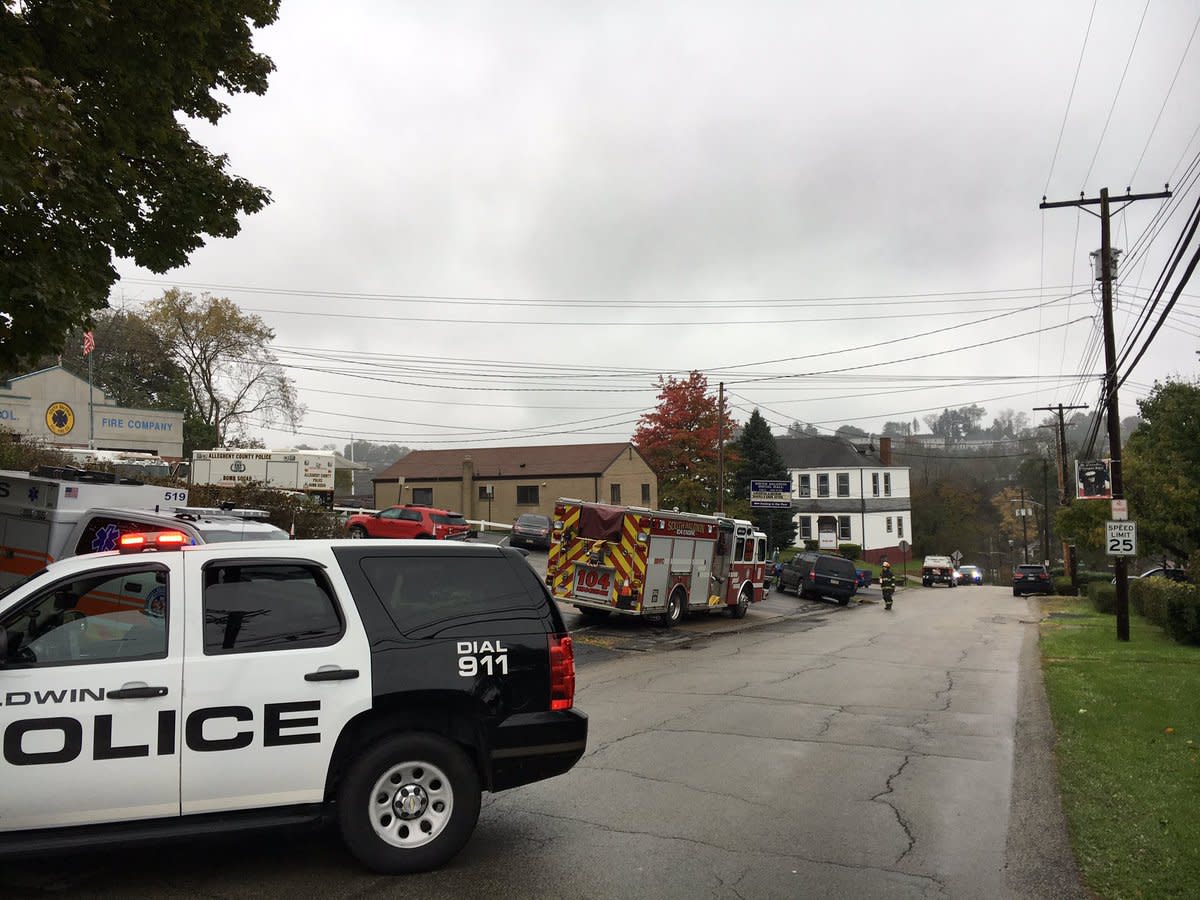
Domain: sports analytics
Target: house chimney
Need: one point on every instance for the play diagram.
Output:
(885, 450)
(468, 488)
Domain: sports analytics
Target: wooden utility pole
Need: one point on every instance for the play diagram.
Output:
(720, 448)
(1110, 378)
(1065, 492)
(1060, 446)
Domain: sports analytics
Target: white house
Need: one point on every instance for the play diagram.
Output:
(851, 493)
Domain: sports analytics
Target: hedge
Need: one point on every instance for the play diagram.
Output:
(850, 551)
(1172, 605)
(1103, 597)
(1063, 586)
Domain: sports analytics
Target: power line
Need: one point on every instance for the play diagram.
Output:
(1154, 127)
(1117, 95)
(606, 303)
(1070, 96)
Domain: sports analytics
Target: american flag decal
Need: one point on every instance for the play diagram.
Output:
(72, 492)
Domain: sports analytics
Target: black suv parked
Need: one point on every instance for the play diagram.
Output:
(1031, 578)
(819, 575)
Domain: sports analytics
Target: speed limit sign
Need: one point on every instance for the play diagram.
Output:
(1120, 538)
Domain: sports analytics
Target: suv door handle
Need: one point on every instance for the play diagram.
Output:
(332, 673)
(136, 691)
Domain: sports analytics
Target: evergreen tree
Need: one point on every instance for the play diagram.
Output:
(761, 460)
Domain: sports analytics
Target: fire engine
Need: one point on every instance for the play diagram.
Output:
(648, 562)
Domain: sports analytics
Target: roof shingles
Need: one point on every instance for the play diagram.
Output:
(499, 462)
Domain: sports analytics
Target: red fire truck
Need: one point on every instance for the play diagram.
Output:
(649, 562)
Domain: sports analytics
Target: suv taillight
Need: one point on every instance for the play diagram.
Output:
(562, 672)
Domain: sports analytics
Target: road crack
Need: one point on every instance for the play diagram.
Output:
(901, 821)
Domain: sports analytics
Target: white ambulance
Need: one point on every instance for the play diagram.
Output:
(55, 512)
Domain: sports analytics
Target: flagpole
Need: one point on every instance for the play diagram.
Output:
(91, 409)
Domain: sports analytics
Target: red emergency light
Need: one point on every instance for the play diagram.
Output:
(136, 542)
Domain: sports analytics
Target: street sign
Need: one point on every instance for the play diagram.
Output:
(771, 494)
(903, 545)
(956, 556)
(1024, 511)
(1120, 538)
(1120, 510)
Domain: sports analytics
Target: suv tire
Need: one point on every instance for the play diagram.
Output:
(438, 783)
(357, 531)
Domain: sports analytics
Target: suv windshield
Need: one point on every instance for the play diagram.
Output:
(535, 521)
(1037, 570)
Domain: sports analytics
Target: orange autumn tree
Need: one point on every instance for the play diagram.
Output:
(678, 439)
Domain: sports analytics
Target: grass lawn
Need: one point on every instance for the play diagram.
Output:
(1128, 723)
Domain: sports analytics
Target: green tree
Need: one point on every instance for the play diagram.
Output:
(678, 440)
(96, 159)
(760, 459)
(130, 363)
(1082, 524)
(1161, 468)
(951, 513)
(953, 425)
(233, 379)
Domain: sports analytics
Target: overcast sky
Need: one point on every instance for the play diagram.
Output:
(590, 194)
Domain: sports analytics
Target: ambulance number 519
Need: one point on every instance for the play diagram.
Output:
(593, 584)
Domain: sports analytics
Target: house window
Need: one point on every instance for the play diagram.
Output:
(422, 496)
(645, 495)
(874, 484)
(614, 493)
(887, 484)
(889, 524)
(822, 485)
(527, 495)
(900, 526)
(843, 484)
(804, 489)
(805, 528)
(843, 528)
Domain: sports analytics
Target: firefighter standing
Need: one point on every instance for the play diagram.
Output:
(887, 584)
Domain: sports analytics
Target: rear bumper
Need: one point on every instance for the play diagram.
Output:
(530, 747)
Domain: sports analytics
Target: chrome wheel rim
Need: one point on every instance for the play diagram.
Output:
(411, 804)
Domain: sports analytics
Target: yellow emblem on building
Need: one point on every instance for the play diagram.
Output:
(60, 418)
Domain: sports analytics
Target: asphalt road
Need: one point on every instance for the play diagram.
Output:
(808, 750)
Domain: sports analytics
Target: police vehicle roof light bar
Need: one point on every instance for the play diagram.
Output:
(136, 542)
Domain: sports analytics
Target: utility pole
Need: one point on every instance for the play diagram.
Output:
(720, 448)
(1060, 446)
(1110, 378)
(1024, 514)
(1046, 514)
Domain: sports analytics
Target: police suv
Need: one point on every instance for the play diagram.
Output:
(175, 689)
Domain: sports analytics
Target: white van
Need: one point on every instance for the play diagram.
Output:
(53, 513)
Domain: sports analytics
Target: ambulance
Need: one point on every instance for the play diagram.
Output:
(55, 512)
(644, 562)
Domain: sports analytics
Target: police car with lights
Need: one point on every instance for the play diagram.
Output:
(168, 688)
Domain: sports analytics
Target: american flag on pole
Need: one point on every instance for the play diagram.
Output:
(89, 342)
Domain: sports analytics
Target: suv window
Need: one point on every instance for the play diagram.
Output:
(267, 606)
(101, 533)
(445, 519)
(835, 565)
(108, 616)
(426, 595)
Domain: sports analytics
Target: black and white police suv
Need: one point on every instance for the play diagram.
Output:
(173, 689)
